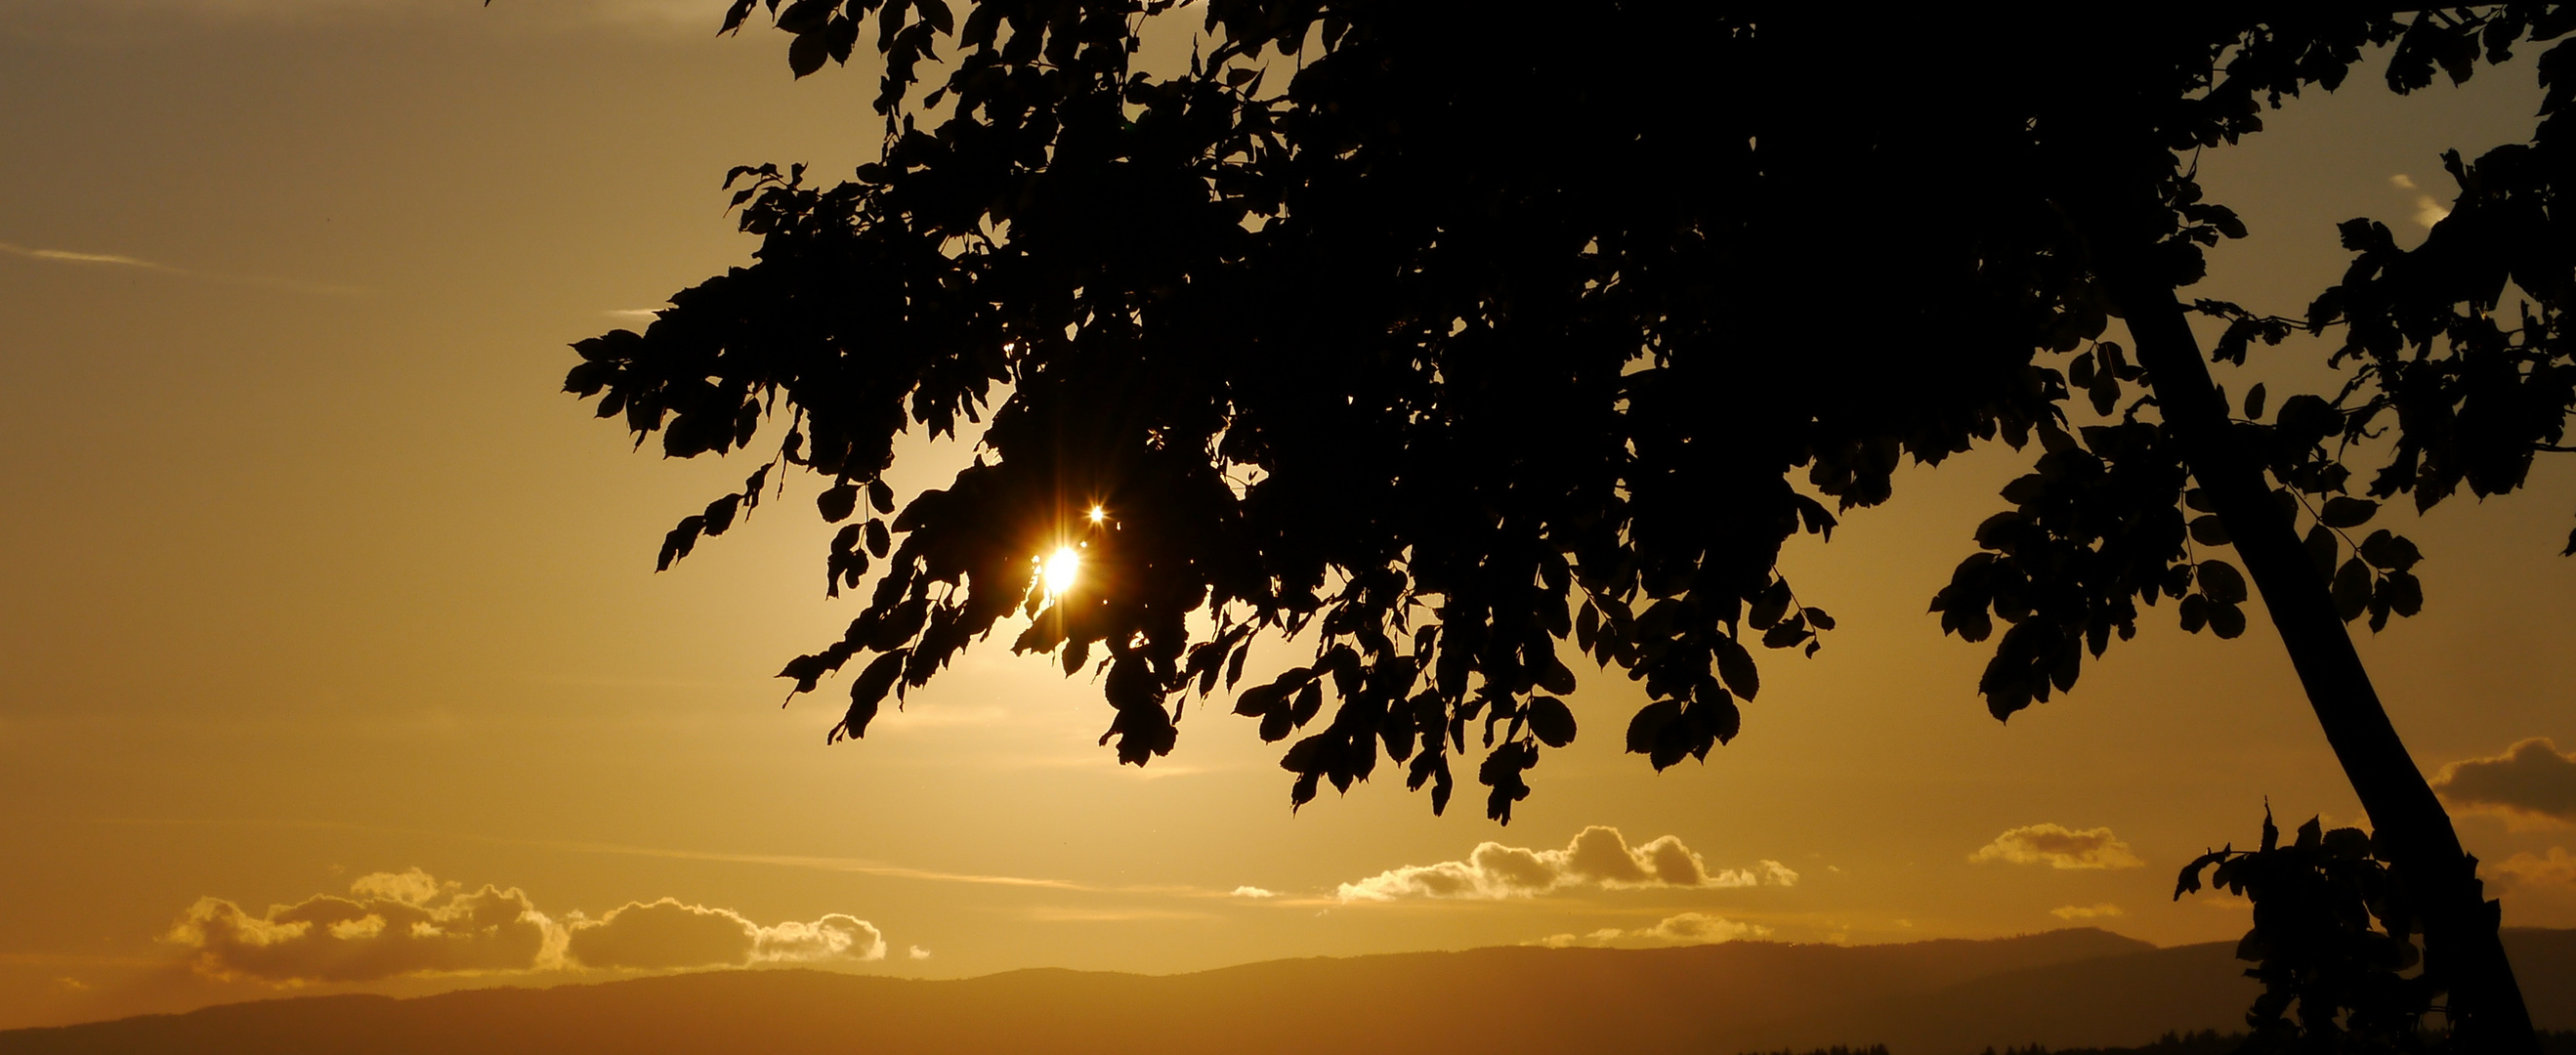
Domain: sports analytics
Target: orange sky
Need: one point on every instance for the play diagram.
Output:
(316, 581)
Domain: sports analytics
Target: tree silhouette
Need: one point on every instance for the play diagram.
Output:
(1447, 332)
(2333, 936)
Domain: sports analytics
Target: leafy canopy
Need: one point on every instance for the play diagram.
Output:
(1447, 333)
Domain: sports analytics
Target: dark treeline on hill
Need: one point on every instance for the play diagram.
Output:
(2195, 1042)
(1838, 1049)
(2209, 1042)
(2065, 990)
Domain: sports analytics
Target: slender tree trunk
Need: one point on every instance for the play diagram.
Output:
(2460, 925)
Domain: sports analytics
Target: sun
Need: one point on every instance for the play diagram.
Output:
(1060, 570)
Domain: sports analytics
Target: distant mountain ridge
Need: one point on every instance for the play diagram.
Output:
(2067, 988)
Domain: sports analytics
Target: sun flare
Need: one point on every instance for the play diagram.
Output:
(1060, 570)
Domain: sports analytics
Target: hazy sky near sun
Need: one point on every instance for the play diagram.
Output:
(317, 586)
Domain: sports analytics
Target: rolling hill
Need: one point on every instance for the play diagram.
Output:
(2064, 988)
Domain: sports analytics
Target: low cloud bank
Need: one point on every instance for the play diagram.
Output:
(399, 923)
(2530, 780)
(1688, 928)
(2058, 846)
(2104, 910)
(1598, 856)
(668, 934)
(390, 924)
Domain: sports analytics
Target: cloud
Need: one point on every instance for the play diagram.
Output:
(1251, 892)
(2427, 211)
(2529, 781)
(1688, 928)
(1599, 855)
(1696, 928)
(411, 923)
(916, 953)
(668, 934)
(2557, 869)
(392, 923)
(2104, 910)
(2059, 846)
(75, 257)
(66, 256)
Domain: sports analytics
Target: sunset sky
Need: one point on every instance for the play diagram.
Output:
(316, 585)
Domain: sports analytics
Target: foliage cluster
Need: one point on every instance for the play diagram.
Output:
(2333, 941)
(1449, 334)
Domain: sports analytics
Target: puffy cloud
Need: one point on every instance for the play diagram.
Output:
(2530, 780)
(2556, 869)
(667, 934)
(2059, 846)
(1763, 873)
(392, 923)
(1253, 892)
(1688, 928)
(916, 953)
(1599, 856)
(1695, 928)
(2104, 910)
(836, 936)
(399, 923)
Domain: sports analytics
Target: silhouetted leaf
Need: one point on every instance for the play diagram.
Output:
(2352, 589)
(2208, 531)
(1785, 635)
(1551, 721)
(2344, 511)
(719, 514)
(1768, 609)
(807, 53)
(1736, 666)
(1714, 717)
(868, 691)
(1234, 664)
(2221, 581)
(2405, 593)
(2389, 552)
(837, 502)
(2322, 549)
(679, 541)
(1649, 722)
(1308, 701)
(1260, 700)
(2226, 620)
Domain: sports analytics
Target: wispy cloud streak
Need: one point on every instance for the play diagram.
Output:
(119, 260)
(846, 865)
